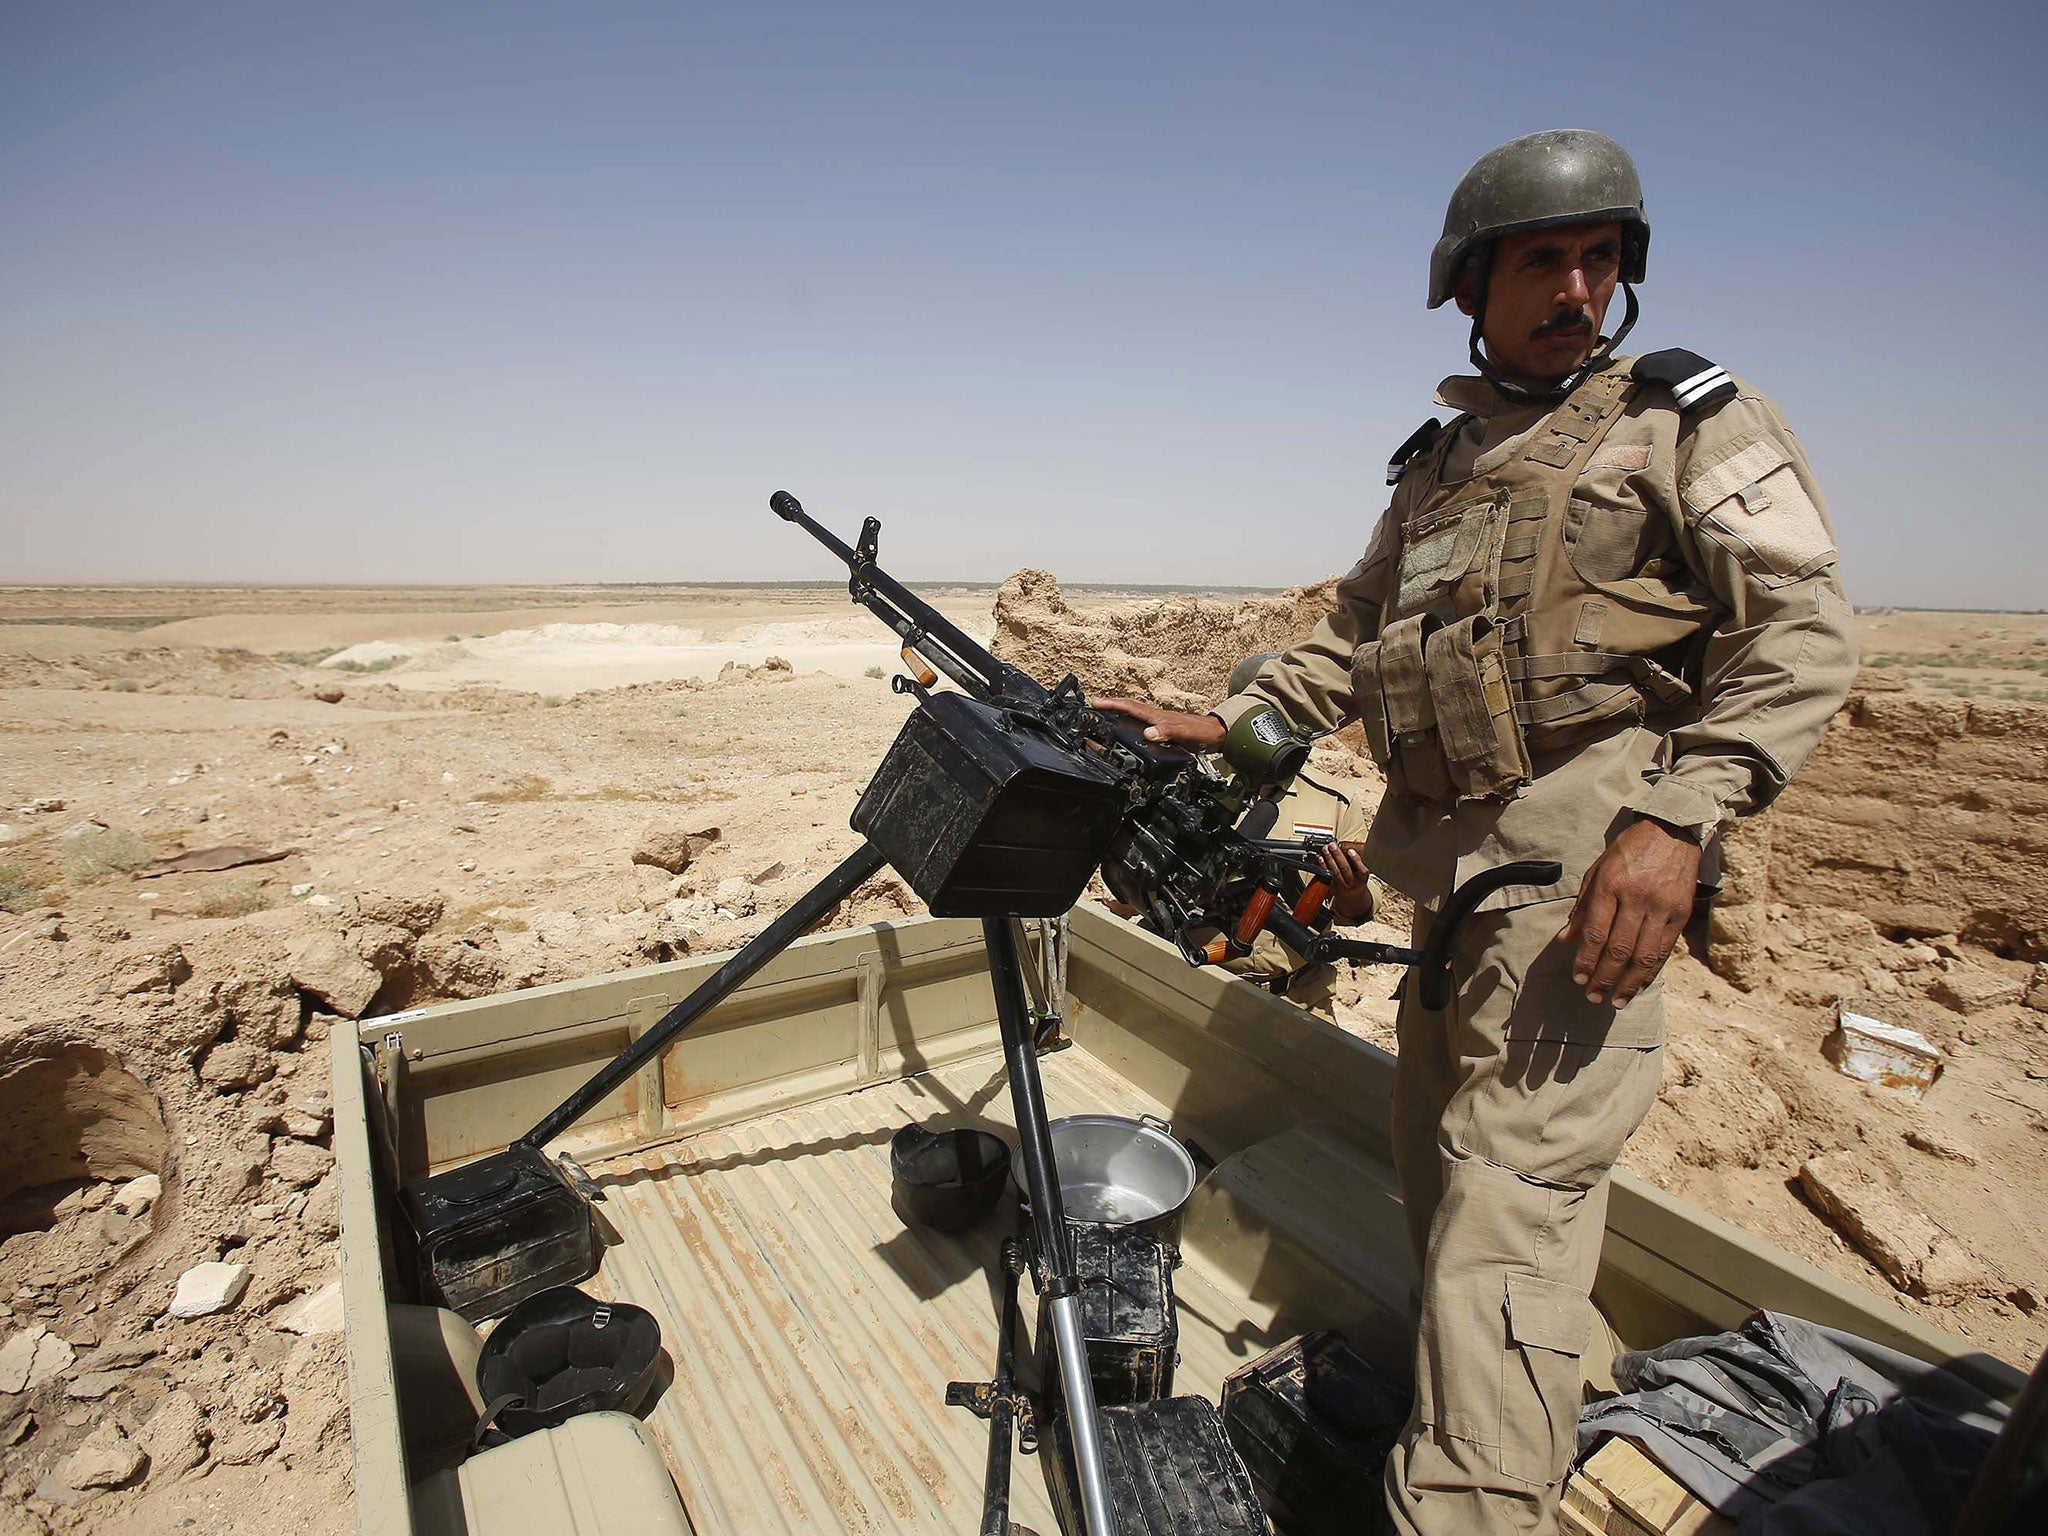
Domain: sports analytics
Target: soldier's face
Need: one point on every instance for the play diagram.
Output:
(1546, 297)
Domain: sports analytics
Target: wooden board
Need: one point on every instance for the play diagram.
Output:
(1622, 1492)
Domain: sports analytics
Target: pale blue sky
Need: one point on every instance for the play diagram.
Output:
(1134, 292)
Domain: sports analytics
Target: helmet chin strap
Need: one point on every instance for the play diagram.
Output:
(1571, 381)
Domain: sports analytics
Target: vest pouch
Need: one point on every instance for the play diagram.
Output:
(1369, 697)
(1417, 755)
(1607, 544)
(1446, 559)
(1484, 754)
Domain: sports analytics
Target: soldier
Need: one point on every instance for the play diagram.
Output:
(1600, 618)
(1307, 807)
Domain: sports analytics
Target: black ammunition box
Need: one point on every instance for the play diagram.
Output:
(1314, 1423)
(1170, 1469)
(1127, 1314)
(985, 815)
(493, 1232)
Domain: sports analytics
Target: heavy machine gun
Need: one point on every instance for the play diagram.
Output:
(999, 801)
(1005, 798)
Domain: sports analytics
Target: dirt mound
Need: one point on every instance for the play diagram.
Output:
(164, 1109)
(220, 673)
(1176, 651)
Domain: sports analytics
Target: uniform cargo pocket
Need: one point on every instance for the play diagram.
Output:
(1548, 1324)
(1606, 543)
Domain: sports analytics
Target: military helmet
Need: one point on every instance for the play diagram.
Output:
(1242, 675)
(1560, 176)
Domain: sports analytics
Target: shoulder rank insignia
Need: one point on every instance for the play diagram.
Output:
(1693, 381)
(1418, 440)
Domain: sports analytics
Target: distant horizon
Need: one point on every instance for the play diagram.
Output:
(924, 584)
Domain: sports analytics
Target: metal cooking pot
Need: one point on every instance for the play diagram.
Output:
(1126, 1173)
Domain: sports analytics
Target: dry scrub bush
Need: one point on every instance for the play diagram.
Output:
(94, 855)
(522, 787)
(17, 890)
(237, 899)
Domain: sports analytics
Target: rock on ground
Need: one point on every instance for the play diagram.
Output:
(242, 1444)
(2037, 989)
(1967, 990)
(414, 913)
(1914, 1254)
(317, 1314)
(467, 966)
(138, 1194)
(333, 972)
(235, 1065)
(205, 1289)
(321, 1219)
(1935, 1144)
(106, 1459)
(32, 1357)
(299, 1163)
(664, 847)
(91, 1386)
(174, 1435)
(266, 1009)
(668, 847)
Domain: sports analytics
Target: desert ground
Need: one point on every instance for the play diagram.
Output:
(446, 788)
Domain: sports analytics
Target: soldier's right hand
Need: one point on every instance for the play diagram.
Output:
(1204, 733)
(1633, 904)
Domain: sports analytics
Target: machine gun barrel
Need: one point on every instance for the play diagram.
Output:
(920, 626)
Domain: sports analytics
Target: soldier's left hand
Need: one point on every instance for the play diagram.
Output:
(1345, 865)
(1632, 906)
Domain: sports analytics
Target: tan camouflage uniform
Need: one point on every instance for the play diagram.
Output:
(1659, 615)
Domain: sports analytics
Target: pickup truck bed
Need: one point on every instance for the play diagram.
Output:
(811, 1332)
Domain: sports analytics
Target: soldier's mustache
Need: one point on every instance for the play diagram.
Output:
(1563, 324)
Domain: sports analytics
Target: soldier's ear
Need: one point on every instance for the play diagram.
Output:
(1466, 292)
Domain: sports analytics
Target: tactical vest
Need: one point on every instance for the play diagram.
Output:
(1522, 618)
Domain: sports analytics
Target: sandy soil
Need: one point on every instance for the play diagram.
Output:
(463, 820)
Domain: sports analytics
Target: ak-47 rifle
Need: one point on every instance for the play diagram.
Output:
(1185, 845)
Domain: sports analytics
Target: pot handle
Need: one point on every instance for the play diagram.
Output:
(1164, 1127)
